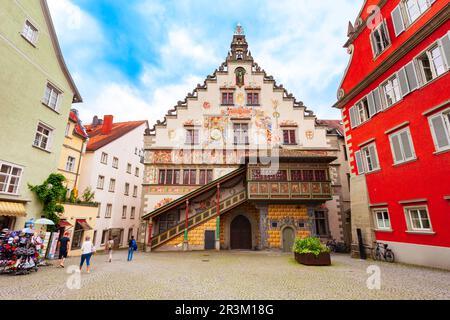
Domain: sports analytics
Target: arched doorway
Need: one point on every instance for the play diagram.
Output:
(240, 233)
(288, 239)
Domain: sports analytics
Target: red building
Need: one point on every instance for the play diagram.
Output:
(395, 102)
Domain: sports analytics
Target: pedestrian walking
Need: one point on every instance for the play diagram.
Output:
(109, 247)
(132, 246)
(87, 249)
(63, 248)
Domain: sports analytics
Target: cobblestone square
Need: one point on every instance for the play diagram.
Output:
(226, 275)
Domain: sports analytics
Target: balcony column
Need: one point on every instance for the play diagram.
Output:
(186, 226)
(148, 231)
(218, 218)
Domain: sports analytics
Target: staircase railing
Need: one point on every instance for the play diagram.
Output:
(197, 219)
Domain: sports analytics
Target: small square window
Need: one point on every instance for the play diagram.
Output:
(52, 97)
(104, 158)
(418, 219)
(192, 137)
(379, 39)
(30, 32)
(289, 137)
(43, 137)
(70, 164)
(274, 225)
(115, 163)
(382, 221)
(227, 98)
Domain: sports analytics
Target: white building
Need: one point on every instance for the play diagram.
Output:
(113, 169)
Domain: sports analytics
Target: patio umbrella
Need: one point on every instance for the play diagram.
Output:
(44, 221)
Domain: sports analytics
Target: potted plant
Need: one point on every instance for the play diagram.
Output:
(311, 252)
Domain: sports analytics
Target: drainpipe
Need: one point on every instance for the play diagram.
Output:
(79, 164)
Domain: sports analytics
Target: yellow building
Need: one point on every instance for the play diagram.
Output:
(72, 151)
(80, 213)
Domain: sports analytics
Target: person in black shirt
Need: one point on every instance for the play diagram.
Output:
(63, 246)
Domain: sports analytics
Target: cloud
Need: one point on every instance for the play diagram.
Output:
(176, 44)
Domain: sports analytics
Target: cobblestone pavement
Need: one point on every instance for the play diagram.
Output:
(227, 275)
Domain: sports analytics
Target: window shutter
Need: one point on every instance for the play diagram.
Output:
(406, 142)
(371, 102)
(373, 43)
(359, 162)
(441, 136)
(396, 149)
(352, 117)
(411, 75)
(403, 80)
(397, 19)
(446, 48)
(373, 157)
(377, 100)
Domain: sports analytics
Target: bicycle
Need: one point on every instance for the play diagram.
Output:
(337, 247)
(381, 252)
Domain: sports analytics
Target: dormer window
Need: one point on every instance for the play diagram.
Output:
(379, 39)
(227, 98)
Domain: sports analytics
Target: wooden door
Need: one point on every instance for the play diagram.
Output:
(210, 240)
(288, 239)
(240, 233)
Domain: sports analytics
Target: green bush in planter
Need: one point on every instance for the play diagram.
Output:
(309, 245)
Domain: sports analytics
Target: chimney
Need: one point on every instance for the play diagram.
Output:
(94, 121)
(107, 124)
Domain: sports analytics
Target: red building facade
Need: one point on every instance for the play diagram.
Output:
(395, 102)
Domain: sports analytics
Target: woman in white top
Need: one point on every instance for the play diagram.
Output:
(87, 249)
(109, 247)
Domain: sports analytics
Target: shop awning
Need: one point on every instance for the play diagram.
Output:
(63, 223)
(83, 223)
(12, 209)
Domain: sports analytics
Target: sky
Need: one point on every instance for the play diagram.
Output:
(135, 59)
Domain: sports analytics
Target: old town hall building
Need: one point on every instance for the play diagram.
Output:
(239, 164)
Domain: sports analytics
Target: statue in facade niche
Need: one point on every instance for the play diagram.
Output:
(240, 77)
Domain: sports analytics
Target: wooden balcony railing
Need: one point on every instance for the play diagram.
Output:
(195, 220)
(288, 190)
